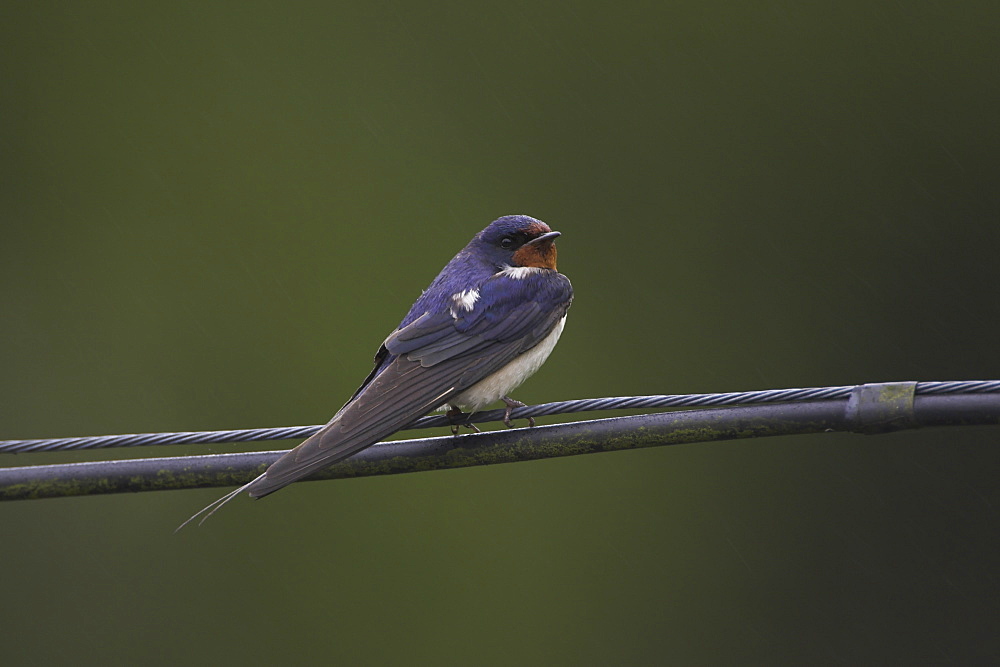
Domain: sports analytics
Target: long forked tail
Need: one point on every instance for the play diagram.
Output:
(401, 393)
(214, 506)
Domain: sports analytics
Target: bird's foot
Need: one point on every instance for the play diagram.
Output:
(458, 419)
(511, 404)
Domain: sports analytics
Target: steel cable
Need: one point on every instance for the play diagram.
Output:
(798, 395)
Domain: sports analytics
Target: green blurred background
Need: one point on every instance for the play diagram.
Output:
(212, 215)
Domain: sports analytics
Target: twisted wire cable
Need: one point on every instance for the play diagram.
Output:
(796, 395)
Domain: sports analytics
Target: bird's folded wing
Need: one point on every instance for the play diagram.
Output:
(506, 309)
(432, 359)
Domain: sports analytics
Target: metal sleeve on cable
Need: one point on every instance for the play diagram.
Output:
(881, 407)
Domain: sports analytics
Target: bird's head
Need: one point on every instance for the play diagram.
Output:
(519, 240)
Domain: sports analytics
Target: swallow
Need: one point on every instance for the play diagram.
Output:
(486, 323)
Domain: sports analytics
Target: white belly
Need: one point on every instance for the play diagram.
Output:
(505, 380)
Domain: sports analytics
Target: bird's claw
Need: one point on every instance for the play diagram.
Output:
(453, 416)
(511, 404)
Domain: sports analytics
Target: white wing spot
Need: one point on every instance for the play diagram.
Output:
(464, 300)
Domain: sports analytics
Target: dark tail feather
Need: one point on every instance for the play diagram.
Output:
(335, 442)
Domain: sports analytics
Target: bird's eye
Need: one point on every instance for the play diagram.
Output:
(506, 243)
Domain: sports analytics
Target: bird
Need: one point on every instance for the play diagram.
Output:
(486, 323)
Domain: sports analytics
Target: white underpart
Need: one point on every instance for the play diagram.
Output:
(463, 300)
(508, 378)
(520, 272)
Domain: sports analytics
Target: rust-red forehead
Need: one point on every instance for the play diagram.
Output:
(537, 228)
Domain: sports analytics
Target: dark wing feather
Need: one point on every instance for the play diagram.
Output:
(424, 364)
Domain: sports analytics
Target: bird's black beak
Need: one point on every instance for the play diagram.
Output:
(548, 236)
